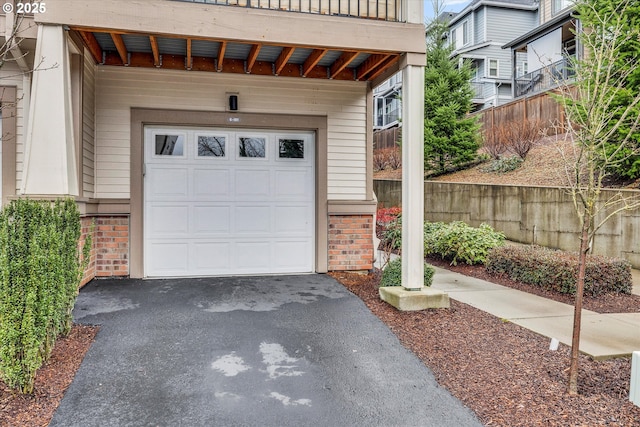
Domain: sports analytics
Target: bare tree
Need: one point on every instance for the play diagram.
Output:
(595, 117)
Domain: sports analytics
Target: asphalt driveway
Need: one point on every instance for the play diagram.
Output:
(246, 351)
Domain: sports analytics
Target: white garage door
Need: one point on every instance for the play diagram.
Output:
(221, 202)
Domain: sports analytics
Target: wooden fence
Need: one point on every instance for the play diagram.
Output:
(386, 138)
(537, 108)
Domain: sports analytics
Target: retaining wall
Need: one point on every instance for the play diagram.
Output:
(541, 215)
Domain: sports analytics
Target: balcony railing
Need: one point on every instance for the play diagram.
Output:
(545, 78)
(387, 119)
(386, 10)
(478, 90)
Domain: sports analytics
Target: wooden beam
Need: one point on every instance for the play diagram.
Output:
(283, 58)
(382, 67)
(313, 60)
(221, 50)
(370, 64)
(342, 62)
(155, 51)
(120, 47)
(234, 66)
(93, 45)
(253, 56)
(189, 62)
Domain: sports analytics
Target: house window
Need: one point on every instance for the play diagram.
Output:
(211, 146)
(558, 5)
(453, 38)
(465, 33)
(525, 67)
(493, 68)
(252, 147)
(169, 145)
(291, 149)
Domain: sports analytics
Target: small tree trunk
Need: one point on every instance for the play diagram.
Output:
(577, 314)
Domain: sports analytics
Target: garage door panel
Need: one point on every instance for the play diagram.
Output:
(292, 220)
(168, 258)
(211, 183)
(252, 219)
(251, 184)
(169, 183)
(292, 184)
(252, 256)
(221, 213)
(210, 257)
(169, 220)
(291, 254)
(209, 220)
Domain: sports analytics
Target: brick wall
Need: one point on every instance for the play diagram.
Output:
(90, 271)
(110, 252)
(350, 242)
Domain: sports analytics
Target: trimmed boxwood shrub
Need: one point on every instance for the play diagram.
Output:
(558, 270)
(40, 271)
(392, 274)
(458, 241)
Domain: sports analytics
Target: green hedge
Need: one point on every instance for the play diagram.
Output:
(392, 274)
(458, 241)
(558, 270)
(40, 271)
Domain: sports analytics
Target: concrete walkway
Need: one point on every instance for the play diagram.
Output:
(603, 335)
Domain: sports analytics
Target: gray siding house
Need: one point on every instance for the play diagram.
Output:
(549, 49)
(478, 33)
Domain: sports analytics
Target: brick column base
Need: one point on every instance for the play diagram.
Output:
(110, 249)
(350, 242)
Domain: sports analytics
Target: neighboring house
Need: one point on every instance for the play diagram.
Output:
(478, 33)
(210, 139)
(386, 103)
(548, 48)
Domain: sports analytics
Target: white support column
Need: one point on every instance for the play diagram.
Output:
(412, 177)
(50, 161)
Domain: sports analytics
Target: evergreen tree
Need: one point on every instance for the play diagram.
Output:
(599, 17)
(450, 137)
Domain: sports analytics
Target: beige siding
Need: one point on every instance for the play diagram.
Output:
(545, 11)
(10, 75)
(88, 127)
(119, 89)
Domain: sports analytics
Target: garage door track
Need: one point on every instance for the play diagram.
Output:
(246, 351)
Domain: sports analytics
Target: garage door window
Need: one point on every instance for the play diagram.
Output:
(252, 147)
(212, 146)
(291, 149)
(169, 145)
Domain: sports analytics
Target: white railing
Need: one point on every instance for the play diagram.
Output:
(386, 10)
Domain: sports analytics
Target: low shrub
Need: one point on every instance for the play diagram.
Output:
(392, 235)
(458, 241)
(40, 271)
(503, 165)
(558, 270)
(385, 215)
(392, 274)
(387, 158)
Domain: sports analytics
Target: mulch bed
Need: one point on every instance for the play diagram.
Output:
(506, 374)
(51, 382)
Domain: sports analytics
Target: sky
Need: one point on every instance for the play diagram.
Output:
(449, 6)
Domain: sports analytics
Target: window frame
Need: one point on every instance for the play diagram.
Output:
(465, 33)
(489, 68)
